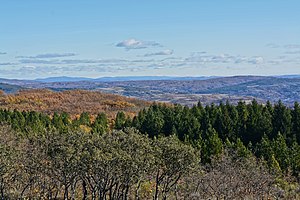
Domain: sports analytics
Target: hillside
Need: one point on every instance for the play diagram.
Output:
(186, 91)
(117, 79)
(7, 88)
(272, 89)
(73, 102)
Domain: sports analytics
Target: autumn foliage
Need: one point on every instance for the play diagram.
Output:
(73, 102)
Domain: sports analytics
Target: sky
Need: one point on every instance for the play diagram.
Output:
(97, 38)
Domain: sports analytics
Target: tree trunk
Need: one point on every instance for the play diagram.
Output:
(2, 189)
(84, 190)
(137, 195)
(176, 193)
(94, 195)
(126, 192)
(66, 193)
(156, 186)
(25, 188)
(56, 194)
(73, 188)
(101, 195)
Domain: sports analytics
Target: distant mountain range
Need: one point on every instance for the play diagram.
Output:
(288, 76)
(119, 78)
(183, 90)
(122, 78)
(62, 79)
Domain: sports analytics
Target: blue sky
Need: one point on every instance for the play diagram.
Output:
(95, 38)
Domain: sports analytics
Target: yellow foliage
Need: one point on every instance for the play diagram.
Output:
(147, 189)
(73, 102)
(85, 128)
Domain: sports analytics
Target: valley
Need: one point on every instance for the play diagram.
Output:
(185, 91)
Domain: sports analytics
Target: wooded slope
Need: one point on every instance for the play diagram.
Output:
(73, 102)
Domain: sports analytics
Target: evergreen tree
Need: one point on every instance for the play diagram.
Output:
(296, 121)
(282, 120)
(254, 132)
(212, 147)
(84, 119)
(243, 115)
(100, 125)
(242, 150)
(295, 159)
(274, 166)
(224, 123)
(265, 122)
(66, 119)
(264, 149)
(120, 121)
(281, 152)
(57, 121)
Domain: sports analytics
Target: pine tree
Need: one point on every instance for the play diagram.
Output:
(296, 121)
(274, 165)
(120, 120)
(243, 115)
(282, 120)
(212, 147)
(84, 119)
(100, 125)
(57, 121)
(264, 149)
(242, 150)
(281, 152)
(295, 159)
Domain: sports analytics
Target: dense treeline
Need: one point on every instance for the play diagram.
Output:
(271, 132)
(216, 151)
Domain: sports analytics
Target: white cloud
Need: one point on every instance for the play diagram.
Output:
(293, 52)
(292, 46)
(50, 55)
(71, 61)
(287, 46)
(273, 45)
(137, 44)
(7, 63)
(157, 60)
(39, 61)
(256, 60)
(203, 58)
(166, 52)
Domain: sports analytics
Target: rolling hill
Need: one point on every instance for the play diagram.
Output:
(73, 102)
(182, 90)
(7, 88)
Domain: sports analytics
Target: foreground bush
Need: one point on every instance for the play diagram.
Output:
(122, 165)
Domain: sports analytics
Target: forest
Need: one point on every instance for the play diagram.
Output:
(165, 151)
